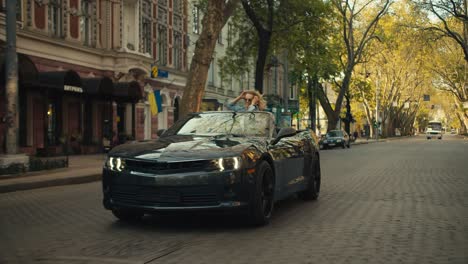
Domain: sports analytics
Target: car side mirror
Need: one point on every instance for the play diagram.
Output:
(284, 132)
(160, 132)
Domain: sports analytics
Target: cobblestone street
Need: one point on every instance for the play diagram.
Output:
(402, 201)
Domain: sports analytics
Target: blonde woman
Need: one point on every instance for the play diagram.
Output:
(253, 101)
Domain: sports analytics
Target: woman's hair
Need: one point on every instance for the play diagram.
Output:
(261, 101)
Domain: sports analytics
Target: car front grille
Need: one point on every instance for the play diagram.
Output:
(168, 167)
(164, 196)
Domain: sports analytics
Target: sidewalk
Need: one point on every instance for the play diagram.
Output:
(361, 141)
(81, 169)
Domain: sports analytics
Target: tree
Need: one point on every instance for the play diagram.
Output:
(453, 20)
(451, 75)
(216, 16)
(261, 31)
(401, 61)
(358, 22)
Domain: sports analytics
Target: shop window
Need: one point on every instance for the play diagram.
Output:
(51, 124)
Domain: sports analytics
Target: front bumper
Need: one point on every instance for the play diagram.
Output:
(177, 192)
(432, 135)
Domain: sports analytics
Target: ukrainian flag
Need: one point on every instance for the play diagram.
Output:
(155, 101)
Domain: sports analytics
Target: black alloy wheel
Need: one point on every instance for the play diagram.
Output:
(262, 203)
(127, 215)
(313, 189)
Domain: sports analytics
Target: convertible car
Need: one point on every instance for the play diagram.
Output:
(236, 161)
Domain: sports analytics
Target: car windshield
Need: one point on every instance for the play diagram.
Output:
(335, 134)
(435, 126)
(229, 123)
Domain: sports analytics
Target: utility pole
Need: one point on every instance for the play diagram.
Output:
(377, 92)
(11, 73)
(285, 82)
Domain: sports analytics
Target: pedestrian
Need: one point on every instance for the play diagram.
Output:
(253, 101)
(355, 134)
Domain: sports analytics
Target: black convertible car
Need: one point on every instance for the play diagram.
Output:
(237, 161)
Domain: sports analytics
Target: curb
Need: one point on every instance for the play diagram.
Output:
(49, 183)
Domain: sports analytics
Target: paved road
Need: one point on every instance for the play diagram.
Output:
(404, 201)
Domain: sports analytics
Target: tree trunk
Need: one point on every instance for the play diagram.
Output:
(312, 102)
(213, 21)
(264, 38)
(368, 114)
(341, 94)
(327, 108)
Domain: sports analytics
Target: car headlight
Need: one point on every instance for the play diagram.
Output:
(231, 163)
(339, 140)
(115, 163)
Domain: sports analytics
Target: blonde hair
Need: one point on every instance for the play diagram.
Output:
(261, 101)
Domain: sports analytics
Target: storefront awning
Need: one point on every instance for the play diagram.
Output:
(98, 86)
(27, 71)
(67, 81)
(127, 91)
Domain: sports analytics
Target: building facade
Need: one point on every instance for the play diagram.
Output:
(85, 71)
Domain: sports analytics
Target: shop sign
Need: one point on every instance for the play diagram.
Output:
(70, 88)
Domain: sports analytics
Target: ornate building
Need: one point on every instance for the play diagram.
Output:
(84, 70)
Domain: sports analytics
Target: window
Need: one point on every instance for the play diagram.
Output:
(162, 45)
(229, 35)
(196, 19)
(86, 22)
(55, 18)
(291, 92)
(220, 37)
(51, 124)
(177, 50)
(146, 27)
(177, 6)
(211, 73)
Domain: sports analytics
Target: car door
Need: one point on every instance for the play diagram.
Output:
(288, 156)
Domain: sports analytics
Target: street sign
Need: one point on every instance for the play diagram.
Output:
(163, 74)
(156, 72)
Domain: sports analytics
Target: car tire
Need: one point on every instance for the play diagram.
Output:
(440, 138)
(127, 215)
(261, 206)
(313, 189)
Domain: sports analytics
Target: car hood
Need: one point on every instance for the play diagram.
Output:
(180, 148)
